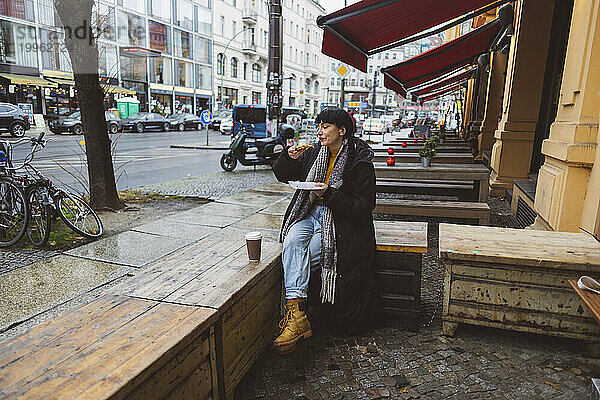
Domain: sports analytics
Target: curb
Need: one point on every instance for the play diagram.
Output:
(198, 147)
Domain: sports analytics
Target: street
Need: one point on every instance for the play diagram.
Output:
(139, 158)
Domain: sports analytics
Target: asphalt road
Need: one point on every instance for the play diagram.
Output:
(139, 158)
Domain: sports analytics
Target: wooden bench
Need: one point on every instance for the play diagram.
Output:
(517, 279)
(476, 173)
(462, 189)
(413, 157)
(398, 260)
(462, 210)
(590, 299)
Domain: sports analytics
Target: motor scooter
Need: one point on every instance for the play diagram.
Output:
(255, 151)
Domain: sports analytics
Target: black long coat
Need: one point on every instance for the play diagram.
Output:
(352, 206)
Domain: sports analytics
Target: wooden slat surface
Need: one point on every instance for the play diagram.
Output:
(590, 299)
(401, 236)
(519, 246)
(102, 346)
(435, 171)
(413, 157)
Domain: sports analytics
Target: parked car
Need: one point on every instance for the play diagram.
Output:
(374, 126)
(217, 117)
(72, 123)
(226, 126)
(13, 120)
(184, 121)
(142, 121)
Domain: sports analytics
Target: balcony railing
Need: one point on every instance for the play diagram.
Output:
(249, 46)
(249, 16)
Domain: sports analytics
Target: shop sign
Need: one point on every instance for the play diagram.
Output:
(72, 91)
(27, 109)
(11, 88)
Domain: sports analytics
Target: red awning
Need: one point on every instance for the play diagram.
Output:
(447, 90)
(370, 26)
(430, 87)
(443, 59)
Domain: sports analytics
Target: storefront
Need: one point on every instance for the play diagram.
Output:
(24, 90)
(161, 101)
(202, 103)
(184, 103)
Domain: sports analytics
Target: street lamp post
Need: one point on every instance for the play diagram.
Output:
(224, 51)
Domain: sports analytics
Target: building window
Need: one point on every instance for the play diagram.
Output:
(160, 37)
(202, 50)
(387, 56)
(256, 73)
(161, 10)
(316, 87)
(203, 77)
(132, 29)
(332, 82)
(183, 44)
(58, 58)
(292, 102)
(15, 40)
(393, 56)
(220, 64)
(22, 9)
(362, 82)
(136, 5)
(222, 25)
(338, 82)
(245, 71)
(103, 17)
(370, 69)
(307, 86)
(133, 69)
(184, 74)
(107, 59)
(203, 21)
(255, 97)
(184, 11)
(234, 67)
(161, 70)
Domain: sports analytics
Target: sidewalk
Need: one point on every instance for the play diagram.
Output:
(386, 362)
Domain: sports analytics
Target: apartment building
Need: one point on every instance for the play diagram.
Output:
(241, 41)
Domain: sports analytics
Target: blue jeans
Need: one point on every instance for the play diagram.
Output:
(301, 252)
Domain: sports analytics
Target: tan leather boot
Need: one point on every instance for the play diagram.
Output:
(294, 326)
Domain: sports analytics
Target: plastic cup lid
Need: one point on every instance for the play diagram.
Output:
(253, 236)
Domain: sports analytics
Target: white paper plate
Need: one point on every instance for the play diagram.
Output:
(304, 185)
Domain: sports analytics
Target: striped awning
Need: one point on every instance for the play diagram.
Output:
(116, 89)
(28, 80)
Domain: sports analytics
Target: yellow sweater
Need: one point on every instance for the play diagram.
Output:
(332, 158)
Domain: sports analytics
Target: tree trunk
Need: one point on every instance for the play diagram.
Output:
(81, 43)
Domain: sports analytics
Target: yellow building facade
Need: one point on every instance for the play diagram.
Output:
(542, 113)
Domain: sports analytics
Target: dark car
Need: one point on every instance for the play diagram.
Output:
(184, 121)
(218, 116)
(13, 120)
(142, 121)
(72, 123)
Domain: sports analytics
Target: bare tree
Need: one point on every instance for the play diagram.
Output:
(82, 45)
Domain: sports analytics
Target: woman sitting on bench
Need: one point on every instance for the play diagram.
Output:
(330, 228)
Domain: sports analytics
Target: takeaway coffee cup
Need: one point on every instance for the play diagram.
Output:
(253, 243)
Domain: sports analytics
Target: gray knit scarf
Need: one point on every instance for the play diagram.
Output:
(303, 206)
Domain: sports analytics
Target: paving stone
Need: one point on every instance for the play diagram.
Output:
(168, 227)
(134, 249)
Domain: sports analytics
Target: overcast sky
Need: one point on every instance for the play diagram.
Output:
(334, 5)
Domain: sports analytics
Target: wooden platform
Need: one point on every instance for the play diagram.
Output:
(398, 262)
(590, 299)
(188, 326)
(449, 210)
(517, 279)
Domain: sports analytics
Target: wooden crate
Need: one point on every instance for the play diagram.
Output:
(398, 261)
(517, 279)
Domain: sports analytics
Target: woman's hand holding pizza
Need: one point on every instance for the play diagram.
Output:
(295, 151)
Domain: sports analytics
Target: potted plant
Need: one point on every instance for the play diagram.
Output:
(442, 133)
(426, 152)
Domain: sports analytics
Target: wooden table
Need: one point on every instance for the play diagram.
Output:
(590, 299)
(412, 147)
(413, 157)
(477, 173)
(517, 279)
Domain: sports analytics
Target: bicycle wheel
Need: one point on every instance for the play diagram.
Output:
(38, 229)
(14, 212)
(79, 216)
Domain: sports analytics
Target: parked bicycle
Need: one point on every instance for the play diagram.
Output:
(29, 203)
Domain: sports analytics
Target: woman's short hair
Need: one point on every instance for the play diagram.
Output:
(337, 116)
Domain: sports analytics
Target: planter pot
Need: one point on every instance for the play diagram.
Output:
(425, 162)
